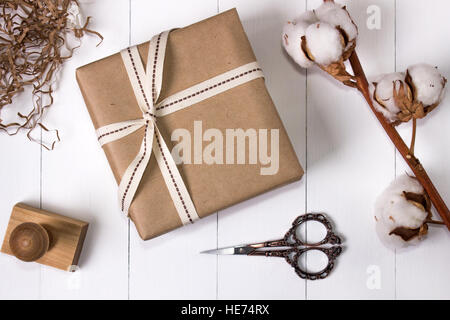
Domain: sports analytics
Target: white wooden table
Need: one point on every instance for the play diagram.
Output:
(348, 158)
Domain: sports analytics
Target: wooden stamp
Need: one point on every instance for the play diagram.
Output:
(44, 237)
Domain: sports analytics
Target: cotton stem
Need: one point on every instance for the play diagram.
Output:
(412, 161)
(413, 136)
(430, 221)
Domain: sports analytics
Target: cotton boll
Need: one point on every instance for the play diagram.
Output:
(427, 82)
(293, 32)
(401, 212)
(393, 200)
(337, 16)
(391, 241)
(292, 39)
(383, 96)
(325, 43)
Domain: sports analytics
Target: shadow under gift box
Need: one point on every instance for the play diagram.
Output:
(194, 54)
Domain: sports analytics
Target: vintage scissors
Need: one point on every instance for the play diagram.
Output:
(291, 247)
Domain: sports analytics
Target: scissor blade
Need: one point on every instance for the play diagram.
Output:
(228, 251)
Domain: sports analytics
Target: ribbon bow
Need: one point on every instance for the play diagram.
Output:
(147, 87)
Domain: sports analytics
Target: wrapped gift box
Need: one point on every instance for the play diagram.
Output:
(194, 54)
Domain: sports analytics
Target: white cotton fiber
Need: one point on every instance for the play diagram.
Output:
(393, 210)
(326, 30)
(306, 19)
(324, 42)
(292, 38)
(326, 6)
(336, 15)
(384, 101)
(428, 83)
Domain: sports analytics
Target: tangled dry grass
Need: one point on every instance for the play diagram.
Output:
(33, 46)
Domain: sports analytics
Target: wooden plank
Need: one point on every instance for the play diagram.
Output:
(20, 175)
(77, 180)
(66, 234)
(350, 160)
(20, 182)
(422, 272)
(270, 215)
(170, 266)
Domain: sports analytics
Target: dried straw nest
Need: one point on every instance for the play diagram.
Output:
(33, 46)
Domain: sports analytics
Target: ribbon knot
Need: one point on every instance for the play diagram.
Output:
(149, 117)
(146, 85)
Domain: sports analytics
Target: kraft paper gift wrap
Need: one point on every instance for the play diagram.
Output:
(194, 54)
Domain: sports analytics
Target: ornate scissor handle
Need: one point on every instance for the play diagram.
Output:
(330, 238)
(292, 257)
(332, 253)
(294, 247)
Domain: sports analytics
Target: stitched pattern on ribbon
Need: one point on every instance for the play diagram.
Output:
(209, 88)
(114, 131)
(154, 97)
(136, 168)
(155, 60)
(140, 78)
(140, 82)
(173, 180)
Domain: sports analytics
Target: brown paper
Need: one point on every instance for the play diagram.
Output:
(194, 54)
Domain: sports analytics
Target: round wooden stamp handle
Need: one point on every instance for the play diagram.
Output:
(29, 241)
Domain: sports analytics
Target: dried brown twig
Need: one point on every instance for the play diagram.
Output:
(32, 49)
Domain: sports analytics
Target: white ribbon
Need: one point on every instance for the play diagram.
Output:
(147, 87)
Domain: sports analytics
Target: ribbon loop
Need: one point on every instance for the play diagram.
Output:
(133, 175)
(138, 79)
(155, 63)
(146, 86)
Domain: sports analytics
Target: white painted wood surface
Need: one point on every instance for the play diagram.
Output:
(348, 159)
(427, 266)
